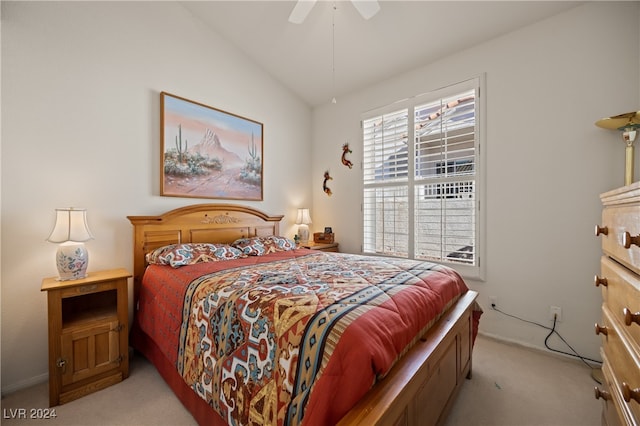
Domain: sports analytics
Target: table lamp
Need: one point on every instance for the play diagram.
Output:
(303, 220)
(71, 231)
(628, 124)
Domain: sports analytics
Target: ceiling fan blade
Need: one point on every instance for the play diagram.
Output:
(367, 8)
(301, 10)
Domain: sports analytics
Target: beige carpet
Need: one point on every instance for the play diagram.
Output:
(513, 386)
(510, 386)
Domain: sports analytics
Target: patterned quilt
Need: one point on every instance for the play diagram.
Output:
(291, 337)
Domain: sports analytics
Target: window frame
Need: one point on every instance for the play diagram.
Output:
(476, 271)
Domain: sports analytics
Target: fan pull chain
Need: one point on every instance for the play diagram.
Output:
(333, 52)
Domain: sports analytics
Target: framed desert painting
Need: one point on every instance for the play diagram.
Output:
(208, 153)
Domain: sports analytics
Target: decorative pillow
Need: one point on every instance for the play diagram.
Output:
(250, 246)
(275, 243)
(259, 246)
(177, 255)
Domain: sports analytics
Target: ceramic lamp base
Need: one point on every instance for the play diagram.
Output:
(72, 260)
(303, 231)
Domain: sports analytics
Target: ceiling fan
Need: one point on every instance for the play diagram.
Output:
(366, 8)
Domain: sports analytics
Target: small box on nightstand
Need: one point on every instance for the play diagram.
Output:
(323, 238)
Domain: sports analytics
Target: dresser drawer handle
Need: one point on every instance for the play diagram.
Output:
(602, 330)
(630, 317)
(602, 230)
(628, 394)
(628, 240)
(602, 394)
(600, 281)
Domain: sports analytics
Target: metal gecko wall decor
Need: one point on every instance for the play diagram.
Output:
(345, 151)
(345, 161)
(325, 188)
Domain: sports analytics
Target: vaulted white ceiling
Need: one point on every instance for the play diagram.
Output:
(402, 36)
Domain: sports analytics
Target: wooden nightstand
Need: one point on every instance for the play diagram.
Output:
(88, 333)
(321, 246)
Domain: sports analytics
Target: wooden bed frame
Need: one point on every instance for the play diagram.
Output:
(421, 387)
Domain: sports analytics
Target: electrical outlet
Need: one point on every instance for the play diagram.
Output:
(555, 311)
(493, 301)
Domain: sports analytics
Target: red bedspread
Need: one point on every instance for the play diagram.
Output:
(291, 337)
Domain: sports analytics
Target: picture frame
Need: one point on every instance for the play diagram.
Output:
(206, 152)
(328, 230)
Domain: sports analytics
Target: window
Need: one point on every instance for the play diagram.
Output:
(421, 174)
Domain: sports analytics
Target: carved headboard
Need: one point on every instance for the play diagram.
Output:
(199, 223)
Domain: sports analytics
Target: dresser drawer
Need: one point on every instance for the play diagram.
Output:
(622, 225)
(624, 364)
(621, 295)
(614, 412)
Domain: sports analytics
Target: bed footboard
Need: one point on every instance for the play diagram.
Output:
(421, 389)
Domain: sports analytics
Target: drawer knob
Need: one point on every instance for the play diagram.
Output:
(630, 317)
(601, 230)
(628, 394)
(600, 281)
(602, 394)
(628, 240)
(62, 363)
(601, 330)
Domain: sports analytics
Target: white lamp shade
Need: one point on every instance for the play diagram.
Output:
(304, 218)
(71, 225)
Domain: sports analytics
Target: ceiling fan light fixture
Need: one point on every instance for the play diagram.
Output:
(366, 8)
(301, 10)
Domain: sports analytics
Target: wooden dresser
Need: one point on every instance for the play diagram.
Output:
(619, 327)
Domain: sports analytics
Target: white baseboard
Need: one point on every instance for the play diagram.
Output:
(25, 384)
(528, 346)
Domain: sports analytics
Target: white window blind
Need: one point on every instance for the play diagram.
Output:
(420, 173)
(386, 195)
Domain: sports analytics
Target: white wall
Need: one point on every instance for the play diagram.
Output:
(546, 161)
(80, 115)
